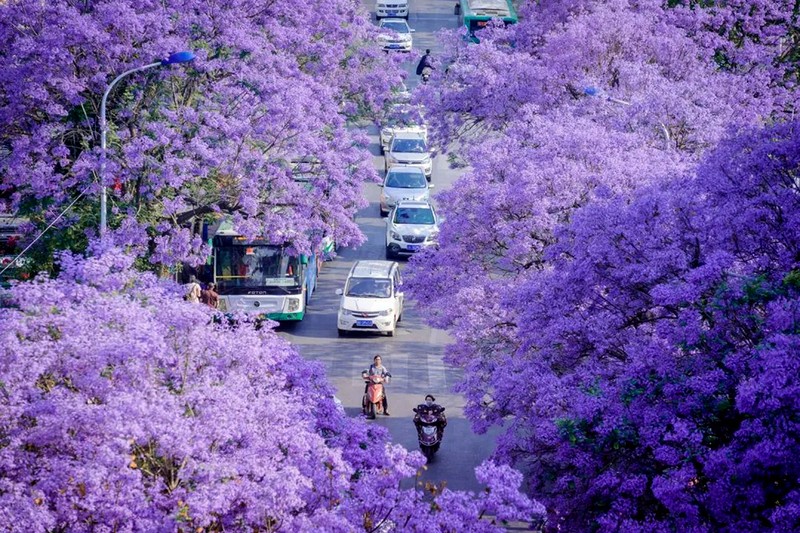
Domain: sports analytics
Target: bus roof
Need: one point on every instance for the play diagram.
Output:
(490, 8)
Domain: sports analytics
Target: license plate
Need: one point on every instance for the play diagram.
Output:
(364, 323)
(429, 430)
(392, 13)
(413, 247)
(394, 46)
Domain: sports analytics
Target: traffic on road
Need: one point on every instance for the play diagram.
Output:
(345, 331)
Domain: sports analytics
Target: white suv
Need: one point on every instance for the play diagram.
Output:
(411, 226)
(372, 299)
(410, 148)
(391, 8)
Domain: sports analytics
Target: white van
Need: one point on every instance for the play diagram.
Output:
(372, 299)
(391, 8)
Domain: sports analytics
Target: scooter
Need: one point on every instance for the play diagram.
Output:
(372, 402)
(430, 422)
(426, 74)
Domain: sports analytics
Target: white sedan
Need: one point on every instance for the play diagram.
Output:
(395, 35)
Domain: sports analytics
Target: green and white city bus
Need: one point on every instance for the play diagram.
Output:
(476, 14)
(261, 278)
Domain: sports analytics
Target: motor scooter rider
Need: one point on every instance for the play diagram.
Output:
(441, 419)
(377, 369)
(425, 61)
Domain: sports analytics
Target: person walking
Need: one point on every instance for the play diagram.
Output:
(193, 290)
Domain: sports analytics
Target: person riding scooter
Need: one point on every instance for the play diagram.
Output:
(430, 406)
(377, 369)
(425, 66)
(430, 421)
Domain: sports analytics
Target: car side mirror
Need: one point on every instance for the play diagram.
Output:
(431, 186)
(412, 30)
(339, 292)
(380, 185)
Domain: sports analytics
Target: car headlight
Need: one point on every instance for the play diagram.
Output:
(294, 304)
(433, 236)
(392, 159)
(345, 312)
(426, 160)
(394, 235)
(386, 312)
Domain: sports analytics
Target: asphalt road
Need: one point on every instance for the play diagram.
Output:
(414, 354)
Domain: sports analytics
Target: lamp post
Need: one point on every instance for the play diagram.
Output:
(179, 57)
(595, 92)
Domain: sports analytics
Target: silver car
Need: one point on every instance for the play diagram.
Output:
(411, 226)
(404, 183)
(401, 118)
(409, 148)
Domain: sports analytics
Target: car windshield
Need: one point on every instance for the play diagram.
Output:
(399, 27)
(368, 288)
(406, 180)
(414, 146)
(413, 215)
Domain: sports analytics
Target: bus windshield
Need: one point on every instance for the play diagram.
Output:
(242, 265)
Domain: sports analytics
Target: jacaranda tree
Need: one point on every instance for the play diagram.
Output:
(273, 84)
(124, 408)
(654, 385)
(669, 83)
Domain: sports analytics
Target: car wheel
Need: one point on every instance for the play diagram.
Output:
(400, 317)
(384, 213)
(380, 148)
(390, 333)
(389, 254)
(342, 332)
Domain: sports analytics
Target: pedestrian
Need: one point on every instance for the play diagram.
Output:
(209, 295)
(192, 290)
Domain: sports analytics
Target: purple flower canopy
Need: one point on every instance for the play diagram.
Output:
(127, 408)
(618, 266)
(194, 141)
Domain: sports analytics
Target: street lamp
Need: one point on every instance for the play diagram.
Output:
(595, 92)
(178, 57)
